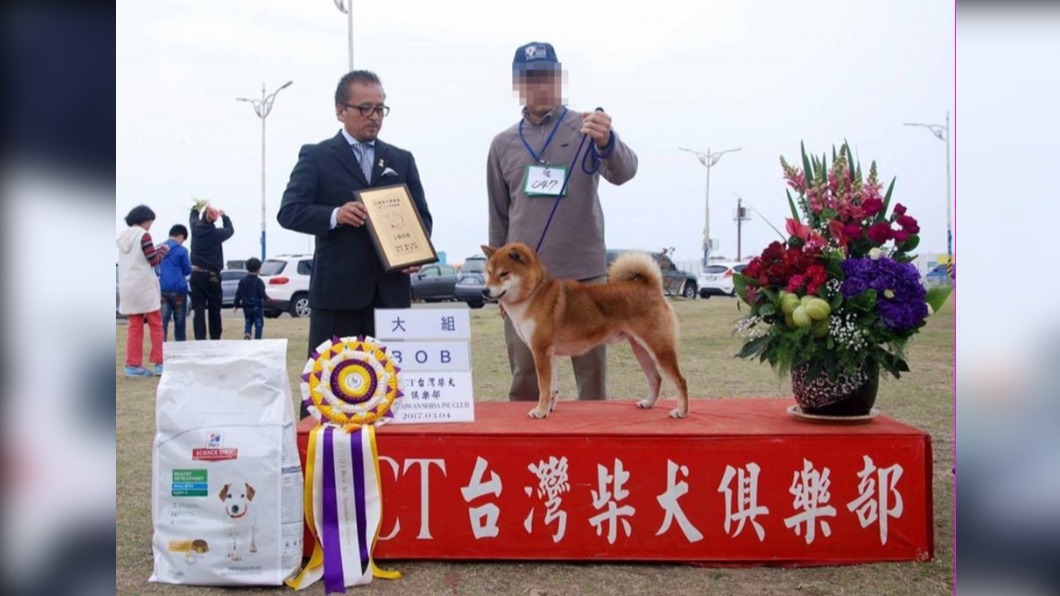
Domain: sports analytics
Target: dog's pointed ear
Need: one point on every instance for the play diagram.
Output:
(517, 256)
(488, 250)
(250, 492)
(224, 492)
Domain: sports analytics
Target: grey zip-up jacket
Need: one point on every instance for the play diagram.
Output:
(573, 247)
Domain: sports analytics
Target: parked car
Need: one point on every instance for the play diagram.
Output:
(716, 279)
(676, 282)
(471, 280)
(938, 277)
(229, 284)
(434, 283)
(286, 280)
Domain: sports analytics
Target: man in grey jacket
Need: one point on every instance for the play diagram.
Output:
(538, 197)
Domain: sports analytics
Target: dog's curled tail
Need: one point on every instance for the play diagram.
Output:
(636, 266)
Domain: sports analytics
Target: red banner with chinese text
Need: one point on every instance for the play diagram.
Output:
(739, 481)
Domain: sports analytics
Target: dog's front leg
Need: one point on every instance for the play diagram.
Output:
(543, 365)
(253, 538)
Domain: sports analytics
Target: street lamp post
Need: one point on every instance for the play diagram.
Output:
(943, 134)
(262, 107)
(346, 7)
(708, 160)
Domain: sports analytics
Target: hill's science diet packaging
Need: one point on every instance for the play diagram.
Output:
(226, 491)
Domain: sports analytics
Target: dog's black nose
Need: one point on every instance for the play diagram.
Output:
(485, 292)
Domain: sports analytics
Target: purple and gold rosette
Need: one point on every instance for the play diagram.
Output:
(350, 386)
(351, 382)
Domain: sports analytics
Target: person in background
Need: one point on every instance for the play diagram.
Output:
(251, 297)
(173, 276)
(139, 291)
(207, 260)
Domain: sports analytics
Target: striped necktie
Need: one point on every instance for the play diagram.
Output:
(361, 151)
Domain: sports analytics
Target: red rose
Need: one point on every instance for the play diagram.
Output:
(880, 232)
(908, 224)
(899, 209)
(871, 206)
(852, 231)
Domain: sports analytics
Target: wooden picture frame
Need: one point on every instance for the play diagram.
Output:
(396, 227)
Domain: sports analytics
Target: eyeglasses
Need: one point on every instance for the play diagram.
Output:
(369, 110)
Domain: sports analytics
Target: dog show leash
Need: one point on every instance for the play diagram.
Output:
(588, 170)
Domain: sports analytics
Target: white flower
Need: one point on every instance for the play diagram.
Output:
(875, 254)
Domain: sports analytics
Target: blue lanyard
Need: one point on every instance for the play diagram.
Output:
(536, 156)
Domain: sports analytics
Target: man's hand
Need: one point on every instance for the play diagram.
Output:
(598, 126)
(353, 214)
(410, 270)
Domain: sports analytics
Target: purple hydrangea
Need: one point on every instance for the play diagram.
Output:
(902, 308)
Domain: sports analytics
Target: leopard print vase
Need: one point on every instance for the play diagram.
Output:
(843, 395)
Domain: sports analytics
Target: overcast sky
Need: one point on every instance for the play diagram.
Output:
(761, 76)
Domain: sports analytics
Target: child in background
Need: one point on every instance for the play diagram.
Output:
(250, 295)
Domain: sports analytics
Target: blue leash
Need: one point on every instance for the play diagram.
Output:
(589, 170)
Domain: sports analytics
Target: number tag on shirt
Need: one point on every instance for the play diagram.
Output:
(544, 181)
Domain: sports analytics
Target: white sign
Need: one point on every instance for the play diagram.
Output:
(412, 356)
(437, 396)
(422, 323)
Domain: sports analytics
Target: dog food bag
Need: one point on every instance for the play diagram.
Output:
(226, 490)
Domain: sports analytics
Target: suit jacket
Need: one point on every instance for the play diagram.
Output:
(346, 267)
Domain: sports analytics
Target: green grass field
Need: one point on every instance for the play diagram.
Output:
(922, 398)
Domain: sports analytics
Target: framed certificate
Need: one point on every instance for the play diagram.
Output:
(396, 227)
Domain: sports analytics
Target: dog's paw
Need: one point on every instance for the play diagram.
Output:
(253, 549)
(645, 404)
(677, 413)
(537, 414)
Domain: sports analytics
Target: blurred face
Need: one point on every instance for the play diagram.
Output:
(539, 88)
(363, 98)
(212, 213)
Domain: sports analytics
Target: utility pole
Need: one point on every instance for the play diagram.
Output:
(739, 226)
(708, 159)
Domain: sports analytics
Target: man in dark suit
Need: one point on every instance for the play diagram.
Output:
(348, 282)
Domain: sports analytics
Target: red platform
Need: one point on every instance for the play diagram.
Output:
(686, 490)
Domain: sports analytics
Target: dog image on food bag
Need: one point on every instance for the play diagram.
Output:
(566, 318)
(240, 523)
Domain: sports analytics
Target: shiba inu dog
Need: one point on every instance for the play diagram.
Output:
(566, 318)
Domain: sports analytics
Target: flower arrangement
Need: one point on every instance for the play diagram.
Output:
(840, 294)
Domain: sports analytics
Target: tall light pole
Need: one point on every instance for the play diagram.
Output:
(943, 134)
(262, 107)
(346, 7)
(708, 160)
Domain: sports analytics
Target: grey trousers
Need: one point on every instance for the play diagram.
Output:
(590, 369)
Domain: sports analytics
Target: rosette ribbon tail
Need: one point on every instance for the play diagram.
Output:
(344, 508)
